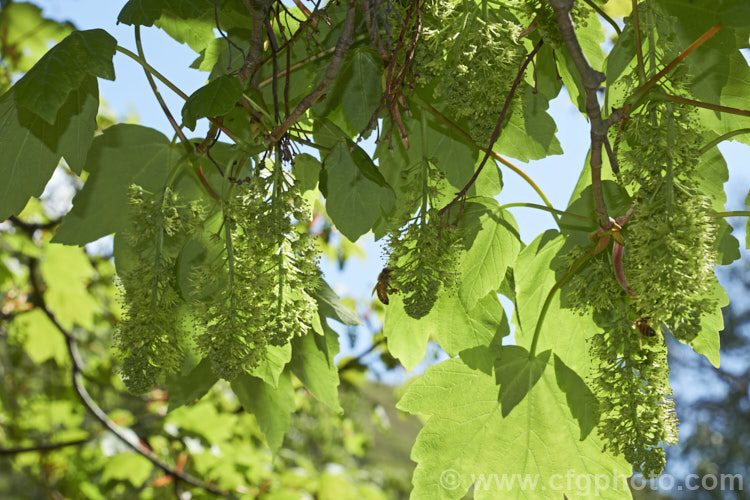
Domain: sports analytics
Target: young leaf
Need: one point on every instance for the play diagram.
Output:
(45, 88)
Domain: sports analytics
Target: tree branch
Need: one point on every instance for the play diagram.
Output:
(157, 94)
(258, 10)
(30, 227)
(91, 405)
(592, 80)
(43, 447)
(332, 71)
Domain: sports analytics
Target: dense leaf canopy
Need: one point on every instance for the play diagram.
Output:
(396, 119)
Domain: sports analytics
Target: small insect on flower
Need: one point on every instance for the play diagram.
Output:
(642, 325)
(382, 286)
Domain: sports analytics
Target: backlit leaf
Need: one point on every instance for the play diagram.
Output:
(467, 435)
(493, 243)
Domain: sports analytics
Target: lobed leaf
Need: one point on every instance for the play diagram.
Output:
(456, 328)
(493, 242)
(46, 86)
(32, 147)
(467, 434)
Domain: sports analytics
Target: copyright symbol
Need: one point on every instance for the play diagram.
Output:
(450, 479)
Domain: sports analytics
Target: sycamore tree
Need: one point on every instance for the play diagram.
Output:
(212, 311)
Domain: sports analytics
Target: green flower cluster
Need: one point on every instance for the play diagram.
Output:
(424, 250)
(630, 375)
(669, 261)
(629, 372)
(261, 292)
(672, 222)
(150, 339)
(470, 60)
(423, 260)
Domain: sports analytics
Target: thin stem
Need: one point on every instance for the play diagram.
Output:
(547, 209)
(638, 43)
(157, 94)
(604, 16)
(706, 105)
(591, 80)
(43, 447)
(724, 137)
(150, 69)
(733, 213)
(425, 171)
(576, 265)
(296, 66)
(496, 133)
(437, 114)
(92, 406)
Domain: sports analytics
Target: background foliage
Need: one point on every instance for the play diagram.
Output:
(223, 379)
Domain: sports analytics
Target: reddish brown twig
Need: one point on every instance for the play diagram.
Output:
(640, 91)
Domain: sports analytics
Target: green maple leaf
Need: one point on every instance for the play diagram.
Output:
(467, 434)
